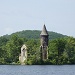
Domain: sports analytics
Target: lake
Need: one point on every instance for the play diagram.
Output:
(37, 70)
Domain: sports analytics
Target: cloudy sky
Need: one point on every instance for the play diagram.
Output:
(18, 15)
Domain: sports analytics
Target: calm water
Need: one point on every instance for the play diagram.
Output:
(37, 70)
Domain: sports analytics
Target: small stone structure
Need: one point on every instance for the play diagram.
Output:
(23, 55)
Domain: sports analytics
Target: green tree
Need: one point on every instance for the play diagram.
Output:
(70, 50)
(13, 48)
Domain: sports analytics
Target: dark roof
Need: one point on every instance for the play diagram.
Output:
(44, 31)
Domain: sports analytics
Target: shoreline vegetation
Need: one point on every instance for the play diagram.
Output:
(61, 50)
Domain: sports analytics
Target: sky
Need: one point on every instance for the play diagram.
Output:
(18, 15)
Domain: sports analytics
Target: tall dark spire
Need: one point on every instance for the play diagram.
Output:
(44, 43)
(44, 31)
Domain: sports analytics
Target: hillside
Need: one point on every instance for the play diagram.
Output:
(35, 34)
(61, 51)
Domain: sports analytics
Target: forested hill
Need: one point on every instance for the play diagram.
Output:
(35, 34)
(61, 49)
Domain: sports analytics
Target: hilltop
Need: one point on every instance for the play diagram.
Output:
(35, 34)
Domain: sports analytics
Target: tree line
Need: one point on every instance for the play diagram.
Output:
(60, 51)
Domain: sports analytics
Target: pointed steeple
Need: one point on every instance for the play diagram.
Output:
(44, 31)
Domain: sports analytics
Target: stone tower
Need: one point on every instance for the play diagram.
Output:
(44, 43)
(23, 55)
